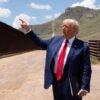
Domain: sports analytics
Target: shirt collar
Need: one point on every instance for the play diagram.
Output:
(70, 41)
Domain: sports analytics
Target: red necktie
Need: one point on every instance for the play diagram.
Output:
(61, 61)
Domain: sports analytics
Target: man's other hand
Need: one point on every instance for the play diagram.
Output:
(82, 93)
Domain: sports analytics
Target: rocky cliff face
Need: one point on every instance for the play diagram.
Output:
(78, 12)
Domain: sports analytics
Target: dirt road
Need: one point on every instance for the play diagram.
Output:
(21, 78)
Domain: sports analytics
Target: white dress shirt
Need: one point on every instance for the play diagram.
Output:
(69, 44)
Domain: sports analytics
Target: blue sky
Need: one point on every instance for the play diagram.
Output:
(38, 11)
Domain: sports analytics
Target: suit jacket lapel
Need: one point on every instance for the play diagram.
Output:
(56, 47)
(72, 50)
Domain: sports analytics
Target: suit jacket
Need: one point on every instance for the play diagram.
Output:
(78, 59)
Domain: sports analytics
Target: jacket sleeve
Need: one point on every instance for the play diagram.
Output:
(86, 77)
(43, 44)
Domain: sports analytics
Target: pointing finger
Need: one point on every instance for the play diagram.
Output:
(21, 20)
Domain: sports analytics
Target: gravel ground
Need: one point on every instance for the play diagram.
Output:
(22, 76)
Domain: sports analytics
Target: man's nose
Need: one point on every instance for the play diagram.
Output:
(63, 27)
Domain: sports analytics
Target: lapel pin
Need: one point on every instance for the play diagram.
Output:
(75, 46)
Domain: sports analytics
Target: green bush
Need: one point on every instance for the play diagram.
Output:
(94, 60)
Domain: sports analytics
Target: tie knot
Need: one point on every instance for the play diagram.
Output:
(66, 41)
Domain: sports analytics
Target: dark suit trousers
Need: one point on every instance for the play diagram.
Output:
(61, 90)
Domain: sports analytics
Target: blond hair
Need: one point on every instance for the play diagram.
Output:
(73, 23)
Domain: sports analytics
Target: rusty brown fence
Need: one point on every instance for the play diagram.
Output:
(13, 41)
(95, 48)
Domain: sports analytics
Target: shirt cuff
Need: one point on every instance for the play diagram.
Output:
(27, 32)
(85, 90)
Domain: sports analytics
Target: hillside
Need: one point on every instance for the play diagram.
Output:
(89, 20)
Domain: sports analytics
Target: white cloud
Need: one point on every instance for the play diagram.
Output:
(57, 14)
(87, 3)
(48, 17)
(2, 1)
(40, 6)
(5, 12)
(27, 18)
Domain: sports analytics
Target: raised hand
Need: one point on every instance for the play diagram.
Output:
(24, 25)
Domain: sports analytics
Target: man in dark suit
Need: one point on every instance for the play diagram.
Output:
(67, 66)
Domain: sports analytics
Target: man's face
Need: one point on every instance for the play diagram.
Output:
(68, 30)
